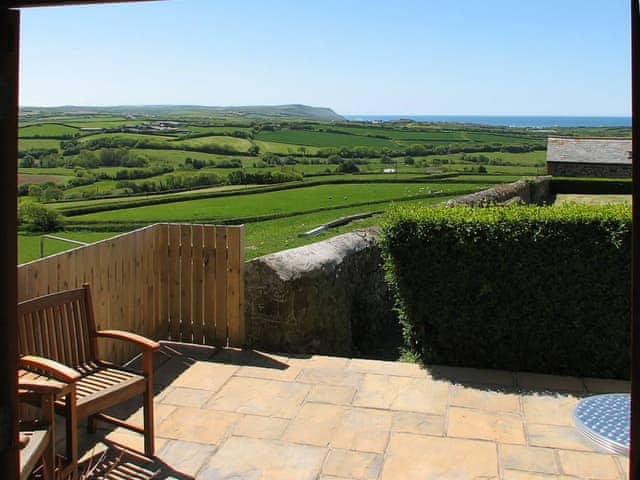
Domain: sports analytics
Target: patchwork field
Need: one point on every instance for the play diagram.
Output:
(278, 176)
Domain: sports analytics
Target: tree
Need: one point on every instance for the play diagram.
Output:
(409, 160)
(49, 161)
(27, 162)
(348, 166)
(253, 150)
(87, 159)
(51, 192)
(35, 190)
(38, 218)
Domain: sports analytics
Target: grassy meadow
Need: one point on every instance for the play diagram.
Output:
(107, 173)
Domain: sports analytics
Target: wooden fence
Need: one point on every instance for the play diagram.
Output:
(177, 282)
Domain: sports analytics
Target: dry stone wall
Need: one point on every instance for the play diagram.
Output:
(536, 191)
(327, 297)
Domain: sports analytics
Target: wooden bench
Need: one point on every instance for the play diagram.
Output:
(58, 337)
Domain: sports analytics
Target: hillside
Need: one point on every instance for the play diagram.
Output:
(258, 112)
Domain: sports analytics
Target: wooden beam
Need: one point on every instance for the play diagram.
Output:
(60, 3)
(634, 450)
(9, 45)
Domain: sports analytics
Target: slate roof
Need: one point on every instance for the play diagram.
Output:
(615, 151)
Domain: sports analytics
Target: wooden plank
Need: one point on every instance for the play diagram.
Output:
(174, 281)
(138, 287)
(113, 289)
(221, 286)
(209, 288)
(101, 289)
(66, 276)
(186, 331)
(121, 301)
(197, 284)
(38, 283)
(72, 272)
(133, 315)
(162, 279)
(52, 269)
(23, 285)
(148, 284)
(235, 289)
(80, 267)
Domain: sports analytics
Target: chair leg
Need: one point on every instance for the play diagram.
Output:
(92, 424)
(49, 455)
(149, 432)
(72, 433)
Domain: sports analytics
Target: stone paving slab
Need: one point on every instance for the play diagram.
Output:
(237, 415)
(253, 459)
(418, 457)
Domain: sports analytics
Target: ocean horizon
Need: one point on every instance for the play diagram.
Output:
(528, 121)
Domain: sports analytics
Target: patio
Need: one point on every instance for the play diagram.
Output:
(232, 414)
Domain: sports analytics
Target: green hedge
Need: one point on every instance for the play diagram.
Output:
(600, 186)
(542, 289)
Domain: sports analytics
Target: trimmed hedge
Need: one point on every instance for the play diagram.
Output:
(541, 289)
(592, 186)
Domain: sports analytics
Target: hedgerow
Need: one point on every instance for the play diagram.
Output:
(542, 289)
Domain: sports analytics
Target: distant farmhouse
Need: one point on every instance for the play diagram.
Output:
(589, 157)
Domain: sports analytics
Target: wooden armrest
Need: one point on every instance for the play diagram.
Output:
(39, 387)
(142, 342)
(50, 367)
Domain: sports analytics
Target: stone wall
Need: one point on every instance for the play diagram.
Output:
(567, 169)
(536, 191)
(328, 297)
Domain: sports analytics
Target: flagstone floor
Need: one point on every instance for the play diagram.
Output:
(237, 415)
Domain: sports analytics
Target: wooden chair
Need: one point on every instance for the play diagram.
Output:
(58, 337)
(37, 436)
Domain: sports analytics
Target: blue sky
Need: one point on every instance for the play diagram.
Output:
(482, 57)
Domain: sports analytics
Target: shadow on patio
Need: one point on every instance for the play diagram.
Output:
(233, 414)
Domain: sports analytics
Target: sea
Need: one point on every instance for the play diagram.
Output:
(505, 121)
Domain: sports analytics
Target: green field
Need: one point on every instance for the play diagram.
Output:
(261, 238)
(101, 122)
(216, 130)
(29, 245)
(293, 182)
(46, 171)
(232, 143)
(47, 130)
(271, 236)
(126, 136)
(286, 148)
(37, 143)
(322, 139)
(176, 157)
(272, 203)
